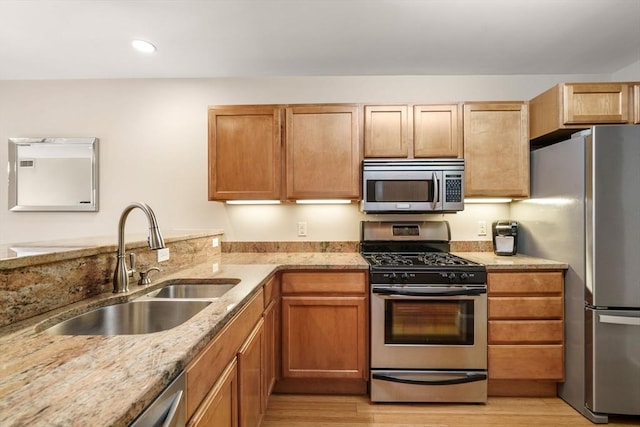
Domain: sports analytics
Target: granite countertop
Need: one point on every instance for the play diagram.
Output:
(514, 262)
(109, 380)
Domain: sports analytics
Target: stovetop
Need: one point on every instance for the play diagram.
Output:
(415, 253)
(416, 261)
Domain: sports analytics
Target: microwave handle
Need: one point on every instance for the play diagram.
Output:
(436, 190)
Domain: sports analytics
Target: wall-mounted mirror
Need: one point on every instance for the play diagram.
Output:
(53, 174)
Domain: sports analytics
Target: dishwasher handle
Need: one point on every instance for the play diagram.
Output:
(173, 415)
(168, 409)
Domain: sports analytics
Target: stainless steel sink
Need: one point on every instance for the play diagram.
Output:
(130, 318)
(196, 288)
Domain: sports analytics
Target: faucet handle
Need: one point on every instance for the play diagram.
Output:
(132, 264)
(144, 276)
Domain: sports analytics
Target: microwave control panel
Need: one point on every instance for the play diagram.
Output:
(453, 188)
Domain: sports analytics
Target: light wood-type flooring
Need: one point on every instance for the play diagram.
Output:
(357, 411)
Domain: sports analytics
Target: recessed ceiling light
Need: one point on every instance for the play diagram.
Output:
(143, 46)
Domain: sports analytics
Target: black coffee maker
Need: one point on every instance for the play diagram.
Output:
(505, 237)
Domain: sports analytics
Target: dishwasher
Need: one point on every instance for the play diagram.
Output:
(168, 410)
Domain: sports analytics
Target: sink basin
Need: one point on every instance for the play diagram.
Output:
(192, 288)
(193, 291)
(130, 318)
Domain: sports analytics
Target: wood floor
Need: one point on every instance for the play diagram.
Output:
(357, 411)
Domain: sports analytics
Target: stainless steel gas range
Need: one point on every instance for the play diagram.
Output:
(428, 315)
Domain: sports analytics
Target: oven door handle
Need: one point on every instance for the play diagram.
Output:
(467, 378)
(430, 293)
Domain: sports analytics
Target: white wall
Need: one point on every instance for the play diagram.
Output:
(628, 73)
(153, 147)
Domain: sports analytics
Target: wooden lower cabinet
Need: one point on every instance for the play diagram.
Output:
(271, 336)
(324, 332)
(525, 332)
(220, 407)
(251, 405)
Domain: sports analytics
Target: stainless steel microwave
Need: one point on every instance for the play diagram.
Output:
(412, 186)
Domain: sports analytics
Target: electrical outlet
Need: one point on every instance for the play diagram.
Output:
(302, 229)
(162, 254)
(214, 242)
(482, 228)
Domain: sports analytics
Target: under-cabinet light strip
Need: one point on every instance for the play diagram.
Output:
(253, 202)
(488, 200)
(324, 202)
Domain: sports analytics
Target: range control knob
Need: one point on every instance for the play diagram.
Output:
(393, 277)
(464, 276)
(451, 277)
(404, 277)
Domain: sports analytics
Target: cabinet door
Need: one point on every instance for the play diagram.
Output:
(636, 103)
(220, 407)
(386, 129)
(496, 149)
(437, 130)
(250, 378)
(324, 337)
(245, 152)
(323, 152)
(593, 103)
(271, 347)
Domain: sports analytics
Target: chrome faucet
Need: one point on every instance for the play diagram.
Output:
(122, 273)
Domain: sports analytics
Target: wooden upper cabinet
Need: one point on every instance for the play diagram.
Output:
(245, 152)
(437, 130)
(404, 131)
(323, 152)
(496, 149)
(579, 105)
(386, 131)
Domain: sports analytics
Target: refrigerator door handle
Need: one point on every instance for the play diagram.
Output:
(620, 320)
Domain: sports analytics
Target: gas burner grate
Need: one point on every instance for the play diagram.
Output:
(441, 259)
(391, 259)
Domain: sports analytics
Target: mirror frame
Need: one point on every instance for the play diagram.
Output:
(14, 143)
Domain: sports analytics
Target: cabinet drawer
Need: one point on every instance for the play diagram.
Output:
(525, 283)
(525, 331)
(324, 282)
(535, 362)
(525, 307)
(203, 372)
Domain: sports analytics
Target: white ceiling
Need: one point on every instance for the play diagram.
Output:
(78, 39)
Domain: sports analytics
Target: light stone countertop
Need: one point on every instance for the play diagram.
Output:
(50, 380)
(109, 380)
(495, 262)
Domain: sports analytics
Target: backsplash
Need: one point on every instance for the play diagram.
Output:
(347, 246)
(30, 286)
(33, 285)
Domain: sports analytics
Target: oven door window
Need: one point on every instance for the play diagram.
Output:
(429, 322)
(383, 190)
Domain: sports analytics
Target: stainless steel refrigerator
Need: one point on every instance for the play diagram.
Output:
(585, 210)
